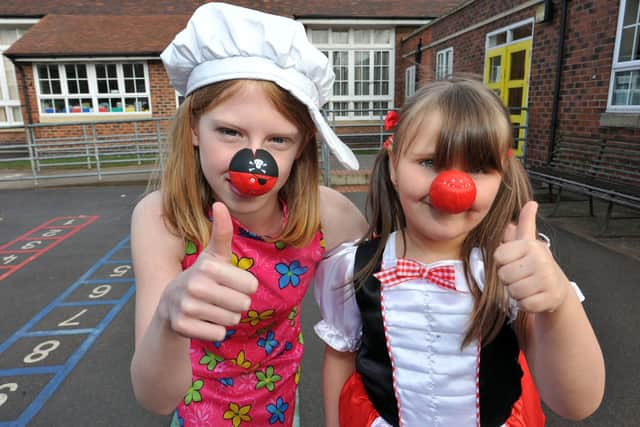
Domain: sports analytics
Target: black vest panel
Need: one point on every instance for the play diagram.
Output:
(372, 360)
(500, 372)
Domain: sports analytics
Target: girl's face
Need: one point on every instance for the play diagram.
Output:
(246, 119)
(412, 175)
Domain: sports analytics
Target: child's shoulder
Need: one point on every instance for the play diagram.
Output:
(148, 224)
(341, 220)
(150, 203)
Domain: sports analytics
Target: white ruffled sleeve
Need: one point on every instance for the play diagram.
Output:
(340, 326)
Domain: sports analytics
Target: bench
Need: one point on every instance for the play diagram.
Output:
(606, 169)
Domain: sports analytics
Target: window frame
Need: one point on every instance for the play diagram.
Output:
(617, 66)
(444, 70)
(6, 103)
(409, 81)
(379, 104)
(98, 99)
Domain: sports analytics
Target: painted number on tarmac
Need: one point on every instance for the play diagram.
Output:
(36, 359)
(25, 248)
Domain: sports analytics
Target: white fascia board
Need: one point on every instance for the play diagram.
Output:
(87, 59)
(18, 21)
(358, 22)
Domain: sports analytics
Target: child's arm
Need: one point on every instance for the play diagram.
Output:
(173, 306)
(337, 367)
(340, 328)
(561, 347)
(341, 220)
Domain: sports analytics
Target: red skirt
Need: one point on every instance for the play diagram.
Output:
(356, 410)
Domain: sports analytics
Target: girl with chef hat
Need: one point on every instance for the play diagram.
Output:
(224, 250)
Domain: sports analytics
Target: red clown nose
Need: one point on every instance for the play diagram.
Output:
(253, 174)
(452, 192)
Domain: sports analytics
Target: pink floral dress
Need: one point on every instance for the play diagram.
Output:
(250, 378)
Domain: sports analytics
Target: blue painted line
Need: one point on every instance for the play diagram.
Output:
(61, 372)
(88, 302)
(36, 370)
(12, 339)
(59, 332)
(107, 281)
(118, 261)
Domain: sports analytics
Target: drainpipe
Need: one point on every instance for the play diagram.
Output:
(556, 93)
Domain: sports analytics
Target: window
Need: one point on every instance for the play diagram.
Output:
(179, 99)
(444, 63)
(409, 81)
(513, 33)
(624, 88)
(92, 88)
(10, 111)
(362, 61)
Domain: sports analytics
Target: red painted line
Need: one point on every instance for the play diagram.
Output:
(21, 251)
(37, 252)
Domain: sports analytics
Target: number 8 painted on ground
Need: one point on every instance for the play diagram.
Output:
(40, 352)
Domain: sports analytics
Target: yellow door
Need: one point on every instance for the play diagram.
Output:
(507, 74)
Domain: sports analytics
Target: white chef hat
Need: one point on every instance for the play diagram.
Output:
(224, 42)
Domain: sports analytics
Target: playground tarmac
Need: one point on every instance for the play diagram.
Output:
(66, 304)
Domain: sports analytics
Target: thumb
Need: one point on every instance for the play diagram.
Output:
(509, 234)
(221, 232)
(526, 228)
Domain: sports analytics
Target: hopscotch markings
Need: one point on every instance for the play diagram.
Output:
(25, 248)
(37, 358)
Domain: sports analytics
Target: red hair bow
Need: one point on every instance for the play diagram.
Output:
(390, 120)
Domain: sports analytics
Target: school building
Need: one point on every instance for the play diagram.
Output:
(568, 70)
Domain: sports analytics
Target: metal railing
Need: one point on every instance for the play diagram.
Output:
(97, 149)
(85, 149)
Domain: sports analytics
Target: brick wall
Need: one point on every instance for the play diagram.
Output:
(589, 44)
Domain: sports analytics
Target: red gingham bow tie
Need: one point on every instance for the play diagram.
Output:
(407, 269)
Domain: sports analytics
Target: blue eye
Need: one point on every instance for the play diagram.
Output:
(279, 139)
(427, 163)
(228, 132)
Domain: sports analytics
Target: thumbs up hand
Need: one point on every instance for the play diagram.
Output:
(212, 294)
(527, 268)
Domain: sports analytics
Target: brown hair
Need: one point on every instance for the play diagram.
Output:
(186, 194)
(475, 132)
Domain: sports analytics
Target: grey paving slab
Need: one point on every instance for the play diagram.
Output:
(97, 391)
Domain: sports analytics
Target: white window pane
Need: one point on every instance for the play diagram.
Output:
(341, 70)
(362, 36)
(320, 36)
(17, 114)
(382, 36)
(631, 12)
(622, 88)
(361, 109)
(521, 32)
(495, 64)
(626, 44)
(10, 78)
(497, 39)
(380, 108)
(3, 115)
(340, 109)
(8, 36)
(361, 68)
(340, 36)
